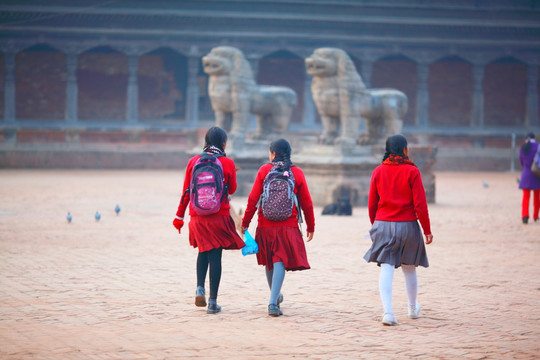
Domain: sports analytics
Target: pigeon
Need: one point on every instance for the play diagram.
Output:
(97, 216)
(486, 184)
(117, 209)
(68, 217)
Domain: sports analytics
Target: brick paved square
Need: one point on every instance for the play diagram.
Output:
(123, 287)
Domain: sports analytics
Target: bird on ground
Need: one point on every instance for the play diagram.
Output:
(97, 216)
(117, 209)
(68, 217)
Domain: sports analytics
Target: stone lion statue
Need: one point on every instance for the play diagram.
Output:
(342, 99)
(235, 95)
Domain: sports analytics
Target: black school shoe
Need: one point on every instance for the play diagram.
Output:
(213, 308)
(274, 310)
(525, 220)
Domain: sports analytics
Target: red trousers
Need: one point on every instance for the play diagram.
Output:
(526, 200)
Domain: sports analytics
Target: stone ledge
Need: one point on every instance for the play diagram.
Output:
(93, 156)
(164, 156)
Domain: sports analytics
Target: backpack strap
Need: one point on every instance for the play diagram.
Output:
(296, 203)
(207, 154)
(225, 192)
(186, 193)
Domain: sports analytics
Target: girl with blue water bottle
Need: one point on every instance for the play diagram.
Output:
(281, 246)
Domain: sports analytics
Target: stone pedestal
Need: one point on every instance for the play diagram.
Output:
(248, 156)
(332, 171)
(336, 171)
(424, 156)
(344, 171)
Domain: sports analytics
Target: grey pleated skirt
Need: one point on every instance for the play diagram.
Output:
(397, 243)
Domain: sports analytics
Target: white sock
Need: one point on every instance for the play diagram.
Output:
(411, 284)
(385, 287)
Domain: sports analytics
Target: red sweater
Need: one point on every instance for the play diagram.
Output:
(300, 189)
(396, 193)
(229, 176)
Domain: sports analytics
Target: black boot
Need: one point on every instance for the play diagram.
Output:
(213, 307)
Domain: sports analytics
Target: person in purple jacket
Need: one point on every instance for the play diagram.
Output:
(529, 181)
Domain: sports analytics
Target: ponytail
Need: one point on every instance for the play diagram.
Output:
(282, 149)
(395, 145)
(527, 146)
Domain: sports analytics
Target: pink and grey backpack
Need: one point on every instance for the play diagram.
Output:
(278, 198)
(207, 187)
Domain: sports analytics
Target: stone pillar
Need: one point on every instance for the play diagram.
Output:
(132, 107)
(9, 88)
(192, 98)
(422, 95)
(367, 71)
(477, 119)
(71, 89)
(532, 95)
(309, 104)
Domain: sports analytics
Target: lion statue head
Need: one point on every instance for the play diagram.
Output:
(333, 62)
(229, 61)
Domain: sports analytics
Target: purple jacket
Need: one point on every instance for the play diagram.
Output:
(528, 179)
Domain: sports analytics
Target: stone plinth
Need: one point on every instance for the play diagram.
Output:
(424, 157)
(336, 171)
(248, 156)
(332, 171)
(339, 171)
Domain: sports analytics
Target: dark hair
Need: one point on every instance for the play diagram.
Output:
(527, 146)
(282, 149)
(395, 145)
(215, 136)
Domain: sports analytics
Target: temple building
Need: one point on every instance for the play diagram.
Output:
(468, 67)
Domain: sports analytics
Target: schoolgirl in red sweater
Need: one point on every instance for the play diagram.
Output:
(210, 233)
(396, 200)
(281, 246)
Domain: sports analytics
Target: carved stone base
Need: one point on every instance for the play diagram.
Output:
(248, 156)
(332, 171)
(424, 157)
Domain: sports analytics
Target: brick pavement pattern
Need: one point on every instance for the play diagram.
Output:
(123, 287)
